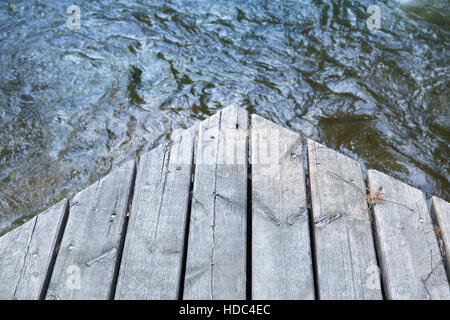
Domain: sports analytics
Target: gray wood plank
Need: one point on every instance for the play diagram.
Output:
(153, 252)
(86, 261)
(409, 253)
(440, 210)
(281, 252)
(216, 258)
(345, 252)
(26, 254)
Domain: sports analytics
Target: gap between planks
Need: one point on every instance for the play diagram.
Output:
(249, 230)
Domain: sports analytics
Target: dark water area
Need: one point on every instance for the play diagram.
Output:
(75, 104)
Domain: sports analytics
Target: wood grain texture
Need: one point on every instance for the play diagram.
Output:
(281, 252)
(216, 257)
(345, 252)
(440, 210)
(86, 261)
(153, 252)
(410, 257)
(26, 254)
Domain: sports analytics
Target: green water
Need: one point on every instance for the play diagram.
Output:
(73, 105)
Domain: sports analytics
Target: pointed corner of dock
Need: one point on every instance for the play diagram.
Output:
(232, 108)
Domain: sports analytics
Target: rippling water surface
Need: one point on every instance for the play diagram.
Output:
(73, 105)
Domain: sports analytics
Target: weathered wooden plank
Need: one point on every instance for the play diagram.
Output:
(345, 252)
(281, 252)
(86, 261)
(26, 254)
(216, 258)
(153, 252)
(410, 258)
(440, 210)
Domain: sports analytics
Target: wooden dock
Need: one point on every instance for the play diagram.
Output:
(236, 207)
